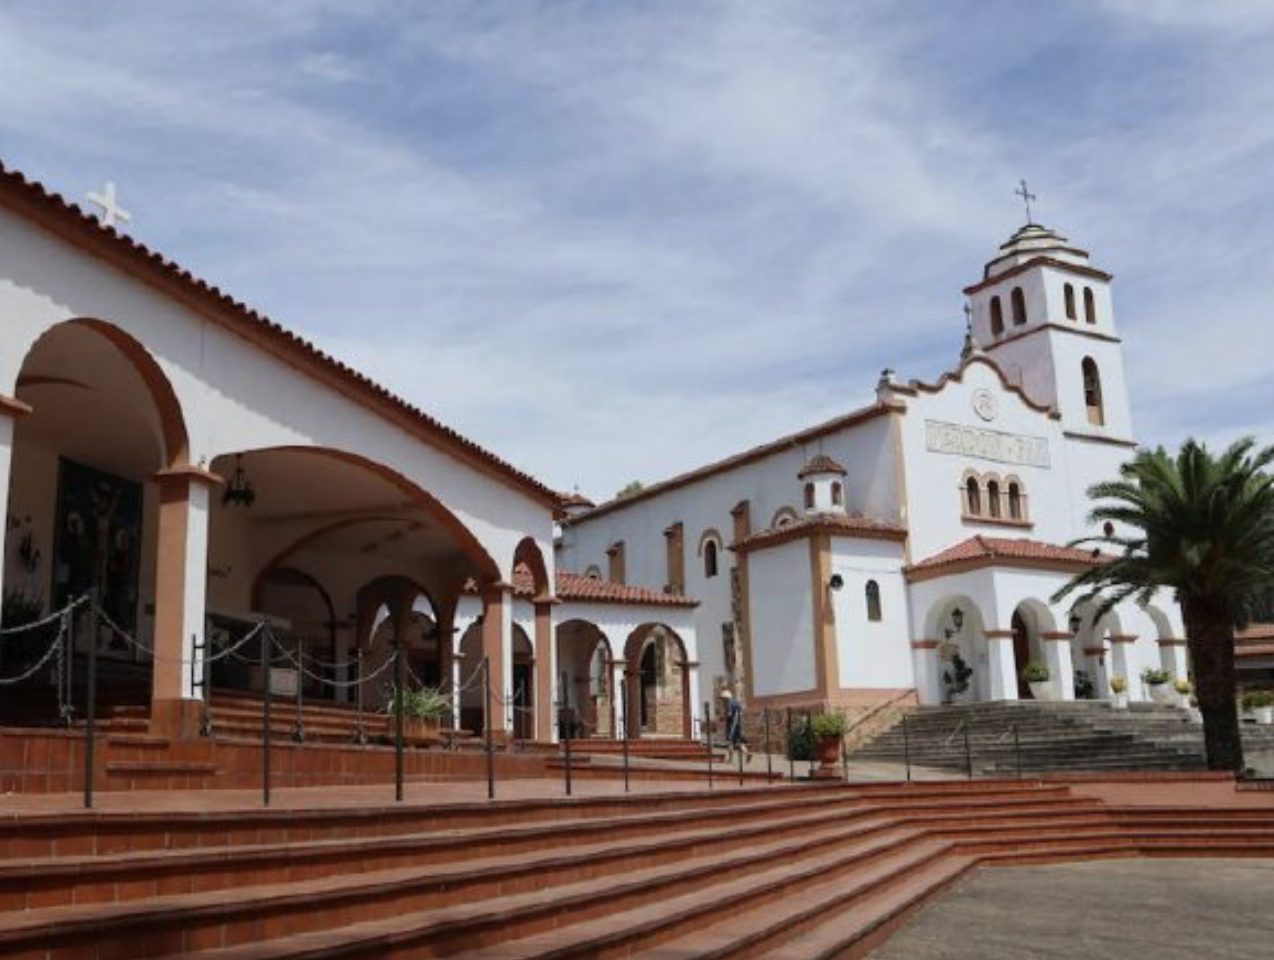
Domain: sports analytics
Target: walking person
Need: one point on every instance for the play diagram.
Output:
(734, 726)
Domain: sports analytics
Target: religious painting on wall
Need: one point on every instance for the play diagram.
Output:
(97, 545)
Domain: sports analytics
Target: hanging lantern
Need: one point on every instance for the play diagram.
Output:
(239, 490)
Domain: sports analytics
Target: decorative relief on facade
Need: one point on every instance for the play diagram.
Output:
(986, 444)
(985, 405)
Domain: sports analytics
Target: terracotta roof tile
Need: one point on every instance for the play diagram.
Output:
(837, 524)
(821, 464)
(991, 549)
(1257, 640)
(581, 589)
(16, 190)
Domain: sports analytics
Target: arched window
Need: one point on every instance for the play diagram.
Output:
(997, 317)
(1092, 393)
(1069, 293)
(1019, 307)
(1090, 305)
(809, 496)
(710, 559)
(873, 601)
(1015, 501)
(993, 498)
(837, 496)
(972, 497)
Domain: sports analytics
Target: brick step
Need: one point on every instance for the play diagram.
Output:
(39, 835)
(464, 901)
(582, 768)
(142, 768)
(734, 924)
(27, 882)
(635, 910)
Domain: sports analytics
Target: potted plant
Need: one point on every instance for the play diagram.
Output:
(828, 730)
(422, 710)
(1085, 689)
(1260, 703)
(956, 678)
(1183, 689)
(1158, 683)
(1119, 692)
(1037, 678)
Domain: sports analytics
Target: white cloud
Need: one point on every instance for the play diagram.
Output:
(614, 241)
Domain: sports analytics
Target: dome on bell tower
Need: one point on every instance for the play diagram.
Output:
(1031, 242)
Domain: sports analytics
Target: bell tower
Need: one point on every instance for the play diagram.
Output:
(1043, 312)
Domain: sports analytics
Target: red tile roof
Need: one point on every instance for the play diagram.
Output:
(820, 464)
(987, 551)
(581, 589)
(1256, 640)
(31, 198)
(782, 444)
(836, 524)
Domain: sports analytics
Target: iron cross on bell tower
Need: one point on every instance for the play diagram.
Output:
(1027, 197)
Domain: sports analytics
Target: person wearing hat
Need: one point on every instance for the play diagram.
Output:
(734, 726)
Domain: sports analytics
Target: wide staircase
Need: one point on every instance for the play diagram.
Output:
(1078, 736)
(800, 871)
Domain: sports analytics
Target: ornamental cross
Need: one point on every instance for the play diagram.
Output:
(112, 214)
(1027, 197)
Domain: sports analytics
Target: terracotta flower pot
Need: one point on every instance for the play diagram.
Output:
(827, 750)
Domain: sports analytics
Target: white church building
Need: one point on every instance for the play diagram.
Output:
(198, 471)
(854, 561)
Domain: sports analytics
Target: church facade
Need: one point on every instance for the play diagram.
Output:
(915, 543)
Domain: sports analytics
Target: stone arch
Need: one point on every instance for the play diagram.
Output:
(586, 693)
(640, 649)
(528, 553)
(172, 421)
(783, 516)
(1029, 622)
(956, 623)
(486, 567)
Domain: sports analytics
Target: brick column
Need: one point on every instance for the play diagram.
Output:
(1172, 657)
(545, 670)
(181, 578)
(927, 671)
(1120, 649)
(1002, 665)
(1061, 671)
(497, 647)
(10, 410)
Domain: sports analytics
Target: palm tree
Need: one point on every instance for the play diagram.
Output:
(1203, 527)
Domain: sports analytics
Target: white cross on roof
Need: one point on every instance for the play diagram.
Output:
(112, 214)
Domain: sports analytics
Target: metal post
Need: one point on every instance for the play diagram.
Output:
(568, 762)
(90, 710)
(809, 728)
(707, 726)
(1017, 751)
(769, 757)
(400, 705)
(844, 756)
(298, 730)
(791, 754)
(486, 725)
(624, 699)
(968, 753)
(360, 734)
(267, 638)
(740, 752)
(906, 747)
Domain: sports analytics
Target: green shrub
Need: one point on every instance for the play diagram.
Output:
(957, 678)
(1255, 699)
(1155, 677)
(1036, 673)
(425, 703)
(828, 725)
(800, 743)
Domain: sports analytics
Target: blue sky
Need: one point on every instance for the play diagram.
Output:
(612, 241)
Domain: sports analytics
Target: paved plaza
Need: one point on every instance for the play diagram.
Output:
(1166, 909)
